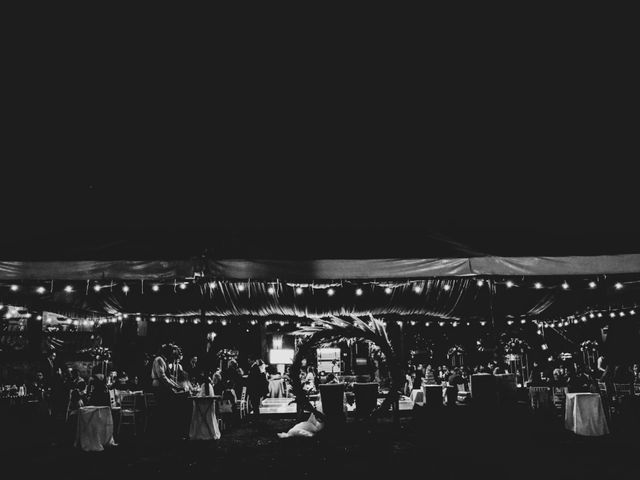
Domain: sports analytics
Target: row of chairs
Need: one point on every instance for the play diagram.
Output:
(613, 398)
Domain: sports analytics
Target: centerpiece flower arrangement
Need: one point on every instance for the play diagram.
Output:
(589, 345)
(227, 354)
(516, 346)
(97, 353)
(455, 350)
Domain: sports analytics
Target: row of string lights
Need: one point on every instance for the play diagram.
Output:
(299, 289)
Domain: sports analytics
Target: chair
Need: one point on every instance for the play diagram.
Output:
(559, 395)
(366, 398)
(128, 411)
(332, 398)
(150, 404)
(242, 403)
(622, 389)
(539, 397)
(224, 407)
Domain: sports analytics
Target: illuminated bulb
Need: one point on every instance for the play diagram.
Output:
(212, 285)
(565, 285)
(441, 324)
(281, 323)
(413, 322)
(138, 319)
(196, 321)
(509, 322)
(96, 288)
(544, 346)
(271, 290)
(241, 287)
(480, 282)
(592, 284)
(632, 312)
(125, 288)
(618, 286)
(298, 324)
(359, 292)
(584, 319)
(388, 290)
(399, 323)
(621, 314)
(223, 322)
(183, 286)
(592, 315)
(575, 320)
(599, 315)
(523, 321)
(253, 322)
(539, 332)
(155, 288)
(28, 315)
(612, 314)
(417, 289)
(68, 289)
(566, 324)
(125, 315)
(483, 323)
(428, 324)
(113, 320)
(455, 324)
(41, 290)
(509, 284)
(210, 322)
(299, 290)
(447, 287)
(76, 322)
(14, 288)
(39, 317)
(538, 285)
(166, 320)
(181, 321)
(153, 319)
(330, 292)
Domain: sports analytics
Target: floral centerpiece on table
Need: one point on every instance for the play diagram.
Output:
(589, 345)
(455, 350)
(227, 354)
(97, 353)
(515, 346)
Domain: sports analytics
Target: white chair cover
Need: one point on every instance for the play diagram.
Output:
(95, 429)
(204, 424)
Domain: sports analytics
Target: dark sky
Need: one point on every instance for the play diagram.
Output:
(368, 153)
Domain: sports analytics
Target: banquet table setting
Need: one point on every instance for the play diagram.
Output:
(94, 429)
(585, 415)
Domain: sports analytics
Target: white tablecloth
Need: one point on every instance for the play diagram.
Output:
(204, 424)
(417, 396)
(95, 429)
(584, 414)
(276, 388)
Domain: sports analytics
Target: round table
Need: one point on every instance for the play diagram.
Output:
(277, 388)
(584, 414)
(95, 429)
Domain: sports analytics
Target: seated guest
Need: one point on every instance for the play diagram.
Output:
(455, 378)
(558, 379)
(184, 383)
(77, 382)
(636, 373)
(579, 382)
(37, 386)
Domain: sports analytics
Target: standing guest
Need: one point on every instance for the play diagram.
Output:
(194, 370)
(257, 386)
(429, 377)
(636, 373)
(601, 365)
(579, 381)
(216, 381)
(558, 379)
(310, 380)
(164, 389)
(419, 376)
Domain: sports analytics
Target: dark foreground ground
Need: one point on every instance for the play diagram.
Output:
(455, 443)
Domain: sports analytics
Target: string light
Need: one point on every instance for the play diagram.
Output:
(632, 312)
(138, 319)
(523, 321)
(565, 286)
(166, 320)
(537, 285)
(241, 287)
(621, 314)
(224, 323)
(592, 284)
(592, 315)
(584, 319)
(196, 321)
(41, 290)
(417, 289)
(183, 286)
(509, 322)
(39, 317)
(271, 290)
(441, 324)
(483, 323)
(153, 319)
(509, 284)
(155, 288)
(599, 315)
(447, 287)
(96, 288)
(212, 285)
(399, 323)
(388, 290)
(14, 288)
(299, 290)
(210, 322)
(618, 286)
(539, 332)
(330, 292)
(281, 323)
(612, 314)
(253, 322)
(359, 292)
(125, 315)
(480, 282)
(455, 324)
(125, 288)
(68, 289)
(428, 324)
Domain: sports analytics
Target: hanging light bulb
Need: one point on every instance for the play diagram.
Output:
(196, 321)
(241, 287)
(330, 292)
(566, 323)
(125, 315)
(618, 286)
(509, 284)
(441, 324)
(480, 282)
(509, 322)
(281, 323)
(253, 322)
(575, 320)
(537, 285)
(359, 292)
(523, 321)
(592, 284)
(155, 287)
(181, 321)
(388, 290)
(583, 318)
(212, 285)
(41, 290)
(271, 290)
(399, 323)
(299, 290)
(621, 314)
(97, 288)
(428, 324)
(125, 288)
(592, 315)
(413, 322)
(539, 332)
(39, 317)
(183, 286)
(612, 314)
(298, 324)
(565, 286)
(224, 323)
(14, 288)
(455, 324)
(599, 315)
(68, 289)
(138, 319)
(417, 289)
(483, 323)
(210, 322)
(632, 312)
(153, 319)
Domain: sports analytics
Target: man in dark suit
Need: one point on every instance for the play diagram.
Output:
(257, 386)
